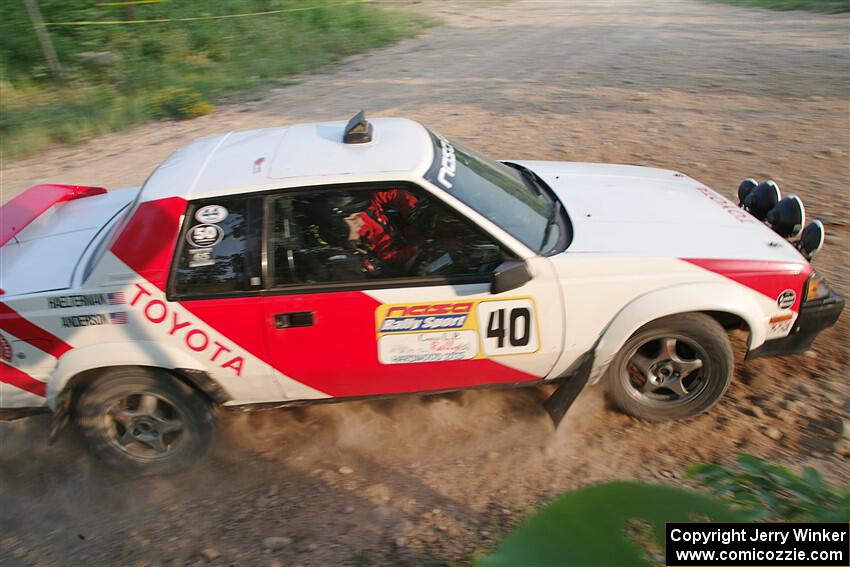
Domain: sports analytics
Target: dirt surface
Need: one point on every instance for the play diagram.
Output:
(718, 92)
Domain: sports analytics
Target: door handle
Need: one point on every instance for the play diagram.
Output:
(297, 319)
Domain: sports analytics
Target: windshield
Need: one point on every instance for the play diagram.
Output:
(503, 194)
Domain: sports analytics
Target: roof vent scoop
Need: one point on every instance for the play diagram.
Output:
(358, 130)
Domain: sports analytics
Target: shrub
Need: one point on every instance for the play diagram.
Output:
(767, 491)
(180, 103)
(621, 523)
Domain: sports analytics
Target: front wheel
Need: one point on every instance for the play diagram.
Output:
(145, 420)
(671, 368)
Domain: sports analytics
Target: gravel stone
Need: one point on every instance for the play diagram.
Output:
(275, 543)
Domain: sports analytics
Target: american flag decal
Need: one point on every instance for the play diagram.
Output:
(119, 318)
(115, 298)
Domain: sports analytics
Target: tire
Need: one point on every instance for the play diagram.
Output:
(145, 421)
(672, 368)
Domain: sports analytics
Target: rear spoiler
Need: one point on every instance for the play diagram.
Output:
(18, 213)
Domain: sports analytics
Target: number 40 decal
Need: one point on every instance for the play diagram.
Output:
(508, 327)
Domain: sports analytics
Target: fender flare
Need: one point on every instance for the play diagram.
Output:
(681, 298)
(104, 355)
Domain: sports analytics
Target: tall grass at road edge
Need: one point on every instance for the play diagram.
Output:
(121, 75)
(826, 6)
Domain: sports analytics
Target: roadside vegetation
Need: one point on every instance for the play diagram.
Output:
(827, 6)
(119, 74)
(620, 523)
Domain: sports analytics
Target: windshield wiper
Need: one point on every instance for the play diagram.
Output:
(530, 177)
(551, 221)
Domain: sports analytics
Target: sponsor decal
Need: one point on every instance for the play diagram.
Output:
(428, 347)
(423, 323)
(199, 341)
(781, 327)
(68, 301)
(211, 214)
(455, 330)
(199, 257)
(426, 317)
(786, 299)
(740, 214)
(5, 349)
(94, 319)
(91, 320)
(258, 164)
(205, 235)
(448, 163)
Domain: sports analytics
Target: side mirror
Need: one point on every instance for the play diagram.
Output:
(509, 275)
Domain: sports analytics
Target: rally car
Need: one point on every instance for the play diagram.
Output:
(335, 261)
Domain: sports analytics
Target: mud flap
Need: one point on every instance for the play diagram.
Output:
(570, 387)
(61, 417)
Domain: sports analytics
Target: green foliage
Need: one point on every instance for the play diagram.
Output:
(589, 526)
(766, 491)
(176, 102)
(112, 72)
(828, 6)
(601, 525)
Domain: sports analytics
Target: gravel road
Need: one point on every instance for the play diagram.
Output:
(716, 91)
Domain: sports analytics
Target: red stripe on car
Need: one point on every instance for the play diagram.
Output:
(147, 242)
(22, 380)
(344, 363)
(14, 323)
(768, 278)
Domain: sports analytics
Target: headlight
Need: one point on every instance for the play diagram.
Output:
(816, 288)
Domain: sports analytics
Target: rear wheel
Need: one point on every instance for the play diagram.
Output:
(672, 368)
(145, 420)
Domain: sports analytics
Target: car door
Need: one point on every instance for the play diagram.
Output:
(215, 312)
(383, 289)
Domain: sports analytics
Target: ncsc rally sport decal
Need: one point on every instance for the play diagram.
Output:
(455, 330)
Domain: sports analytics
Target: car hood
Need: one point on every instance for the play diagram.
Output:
(44, 255)
(656, 212)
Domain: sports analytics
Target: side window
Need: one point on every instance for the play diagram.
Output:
(219, 248)
(353, 235)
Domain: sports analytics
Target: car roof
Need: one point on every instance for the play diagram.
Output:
(291, 156)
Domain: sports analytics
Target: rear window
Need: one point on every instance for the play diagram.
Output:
(219, 250)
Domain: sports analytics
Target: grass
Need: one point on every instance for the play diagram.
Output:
(116, 76)
(827, 6)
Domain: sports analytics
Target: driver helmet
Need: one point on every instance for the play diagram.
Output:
(328, 214)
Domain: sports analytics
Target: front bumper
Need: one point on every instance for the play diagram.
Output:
(813, 319)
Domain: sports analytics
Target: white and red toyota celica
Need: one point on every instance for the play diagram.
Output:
(324, 262)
